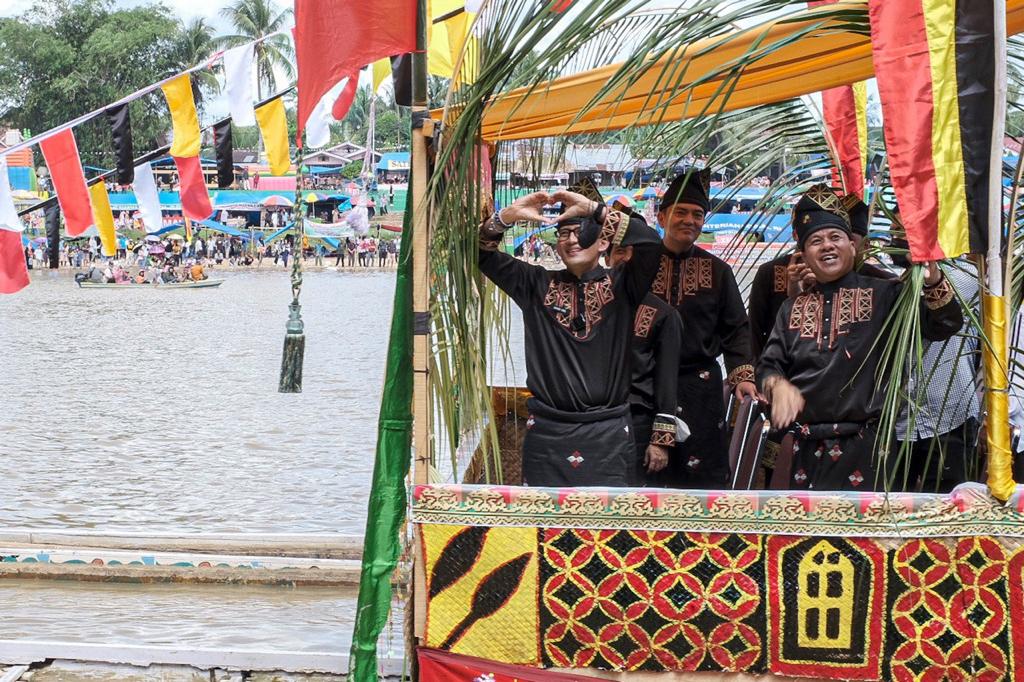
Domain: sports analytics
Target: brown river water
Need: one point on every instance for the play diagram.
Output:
(157, 410)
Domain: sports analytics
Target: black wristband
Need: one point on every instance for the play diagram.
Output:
(596, 215)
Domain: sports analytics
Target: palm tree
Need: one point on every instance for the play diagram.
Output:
(195, 44)
(254, 19)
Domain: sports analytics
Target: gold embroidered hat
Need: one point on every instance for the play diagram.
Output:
(819, 208)
(859, 214)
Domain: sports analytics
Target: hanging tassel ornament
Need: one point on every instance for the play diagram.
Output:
(295, 337)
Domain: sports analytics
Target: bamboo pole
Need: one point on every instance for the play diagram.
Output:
(417, 203)
(1000, 457)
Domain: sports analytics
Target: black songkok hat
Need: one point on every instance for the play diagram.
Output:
(819, 208)
(688, 188)
(858, 212)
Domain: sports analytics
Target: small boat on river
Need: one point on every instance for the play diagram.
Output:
(203, 284)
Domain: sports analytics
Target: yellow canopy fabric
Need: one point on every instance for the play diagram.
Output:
(812, 52)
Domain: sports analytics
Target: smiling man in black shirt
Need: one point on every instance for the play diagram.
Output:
(821, 366)
(578, 325)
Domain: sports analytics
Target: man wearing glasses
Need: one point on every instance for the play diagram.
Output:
(578, 324)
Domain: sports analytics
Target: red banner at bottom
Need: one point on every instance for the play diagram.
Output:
(440, 666)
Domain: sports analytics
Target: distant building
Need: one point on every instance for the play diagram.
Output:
(20, 164)
(338, 156)
(393, 167)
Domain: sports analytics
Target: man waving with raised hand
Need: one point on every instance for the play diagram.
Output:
(578, 324)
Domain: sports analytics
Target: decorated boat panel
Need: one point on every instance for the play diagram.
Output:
(853, 601)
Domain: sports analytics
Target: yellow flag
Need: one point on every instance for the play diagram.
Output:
(184, 118)
(381, 70)
(447, 39)
(274, 128)
(103, 216)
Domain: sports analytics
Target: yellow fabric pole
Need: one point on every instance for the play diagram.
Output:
(1000, 457)
(103, 215)
(274, 129)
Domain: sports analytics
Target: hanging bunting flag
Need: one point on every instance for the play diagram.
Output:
(61, 154)
(184, 119)
(124, 152)
(9, 219)
(935, 67)
(195, 199)
(379, 29)
(148, 197)
(225, 154)
(348, 95)
(381, 70)
(238, 78)
(51, 216)
(103, 216)
(401, 77)
(318, 128)
(274, 129)
(447, 34)
(13, 268)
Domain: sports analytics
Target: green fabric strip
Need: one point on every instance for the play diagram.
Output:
(385, 516)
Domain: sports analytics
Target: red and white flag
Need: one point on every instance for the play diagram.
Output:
(374, 30)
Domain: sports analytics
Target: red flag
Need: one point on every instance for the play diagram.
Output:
(13, 269)
(195, 200)
(847, 128)
(935, 65)
(441, 666)
(844, 109)
(61, 154)
(345, 99)
(374, 30)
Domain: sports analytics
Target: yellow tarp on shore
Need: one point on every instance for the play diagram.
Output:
(804, 53)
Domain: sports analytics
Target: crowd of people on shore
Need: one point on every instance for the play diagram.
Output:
(220, 251)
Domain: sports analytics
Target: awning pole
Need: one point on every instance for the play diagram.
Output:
(1000, 457)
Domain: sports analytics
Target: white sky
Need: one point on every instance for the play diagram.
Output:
(186, 9)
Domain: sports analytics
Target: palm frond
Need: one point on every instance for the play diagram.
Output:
(520, 47)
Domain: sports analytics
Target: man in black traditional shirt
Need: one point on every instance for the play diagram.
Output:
(578, 325)
(703, 289)
(657, 338)
(782, 277)
(819, 365)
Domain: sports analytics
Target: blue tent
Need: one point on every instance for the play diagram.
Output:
(208, 224)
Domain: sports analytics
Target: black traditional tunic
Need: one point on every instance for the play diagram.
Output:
(769, 291)
(578, 334)
(703, 289)
(657, 337)
(824, 343)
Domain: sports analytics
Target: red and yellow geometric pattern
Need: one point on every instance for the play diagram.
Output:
(827, 607)
(635, 600)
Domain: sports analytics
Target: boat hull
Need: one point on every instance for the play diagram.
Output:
(205, 284)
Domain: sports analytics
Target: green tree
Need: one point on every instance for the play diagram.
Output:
(195, 44)
(252, 19)
(63, 58)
